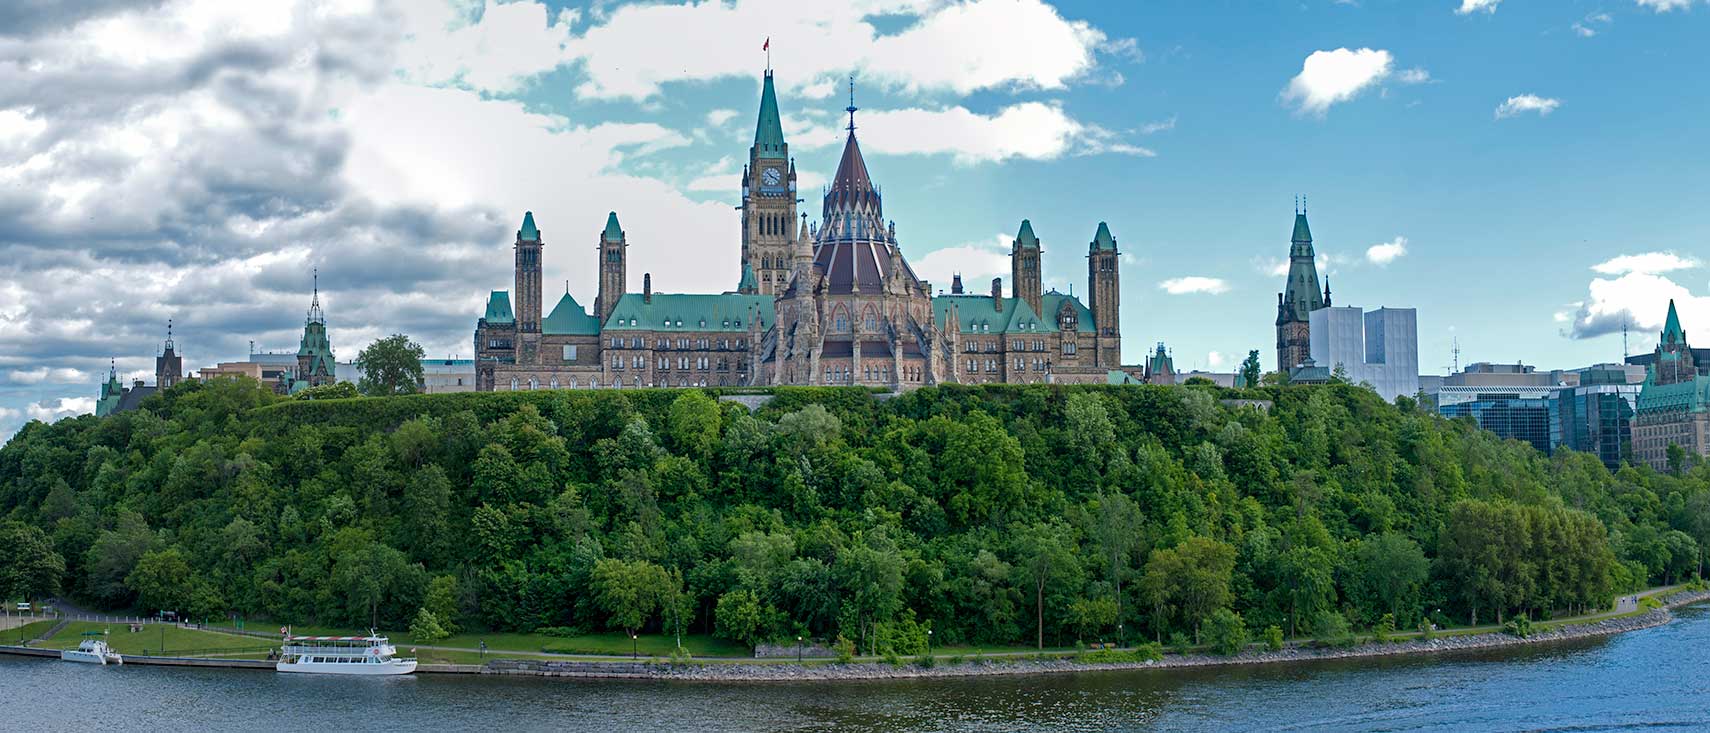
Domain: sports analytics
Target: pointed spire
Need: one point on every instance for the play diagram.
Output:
(769, 129)
(1024, 239)
(168, 346)
(1302, 233)
(316, 315)
(528, 232)
(613, 233)
(851, 108)
(1672, 333)
(1102, 240)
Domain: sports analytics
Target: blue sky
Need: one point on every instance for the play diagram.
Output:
(1528, 174)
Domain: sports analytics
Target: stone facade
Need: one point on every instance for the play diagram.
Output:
(1300, 297)
(832, 302)
(1674, 402)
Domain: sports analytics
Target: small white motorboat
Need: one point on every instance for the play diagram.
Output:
(92, 650)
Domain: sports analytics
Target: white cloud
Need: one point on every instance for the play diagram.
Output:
(1648, 263)
(1029, 130)
(1469, 7)
(51, 410)
(1159, 126)
(718, 117)
(1527, 103)
(39, 375)
(1663, 6)
(1415, 75)
(1386, 252)
(1329, 77)
(957, 47)
(977, 262)
(498, 52)
(1194, 284)
(1214, 359)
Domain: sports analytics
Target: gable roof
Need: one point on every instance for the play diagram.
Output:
(569, 319)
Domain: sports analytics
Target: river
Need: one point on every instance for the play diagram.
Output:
(1655, 678)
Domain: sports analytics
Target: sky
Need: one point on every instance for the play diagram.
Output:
(1530, 175)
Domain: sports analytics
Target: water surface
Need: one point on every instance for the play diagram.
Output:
(1657, 678)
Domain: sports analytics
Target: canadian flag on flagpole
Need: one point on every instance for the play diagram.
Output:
(767, 46)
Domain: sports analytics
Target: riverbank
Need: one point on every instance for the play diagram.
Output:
(774, 672)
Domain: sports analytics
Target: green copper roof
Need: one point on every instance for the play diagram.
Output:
(769, 130)
(569, 319)
(1024, 239)
(528, 232)
(979, 314)
(748, 283)
(1672, 334)
(499, 308)
(1160, 361)
(613, 233)
(1117, 376)
(1691, 396)
(690, 312)
(1102, 240)
(1302, 233)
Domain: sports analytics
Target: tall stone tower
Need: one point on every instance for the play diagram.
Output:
(528, 274)
(169, 366)
(614, 262)
(1300, 297)
(1674, 356)
(769, 198)
(1024, 267)
(315, 364)
(1104, 296)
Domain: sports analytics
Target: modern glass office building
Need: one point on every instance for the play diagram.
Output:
(1378, 347)
(1594, 415)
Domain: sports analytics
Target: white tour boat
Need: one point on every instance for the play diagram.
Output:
(370, 655)
(92, 650)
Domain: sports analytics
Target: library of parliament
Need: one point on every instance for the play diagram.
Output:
(833, 302)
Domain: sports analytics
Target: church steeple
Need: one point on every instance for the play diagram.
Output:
(1301, 294)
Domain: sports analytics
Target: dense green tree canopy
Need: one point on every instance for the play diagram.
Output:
(997, 515)
(390, 366)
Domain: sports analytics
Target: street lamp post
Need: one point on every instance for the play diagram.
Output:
(798, 650)
(929, 642)
(1121, 639)
(634, 646)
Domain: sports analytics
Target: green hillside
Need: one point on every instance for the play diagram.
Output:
(993, 516)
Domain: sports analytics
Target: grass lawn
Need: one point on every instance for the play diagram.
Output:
(30, 630)
(612, 643)
(177, 640)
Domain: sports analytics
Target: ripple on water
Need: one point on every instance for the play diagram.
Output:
(1644, 680)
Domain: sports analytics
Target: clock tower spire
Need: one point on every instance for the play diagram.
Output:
(769, 197)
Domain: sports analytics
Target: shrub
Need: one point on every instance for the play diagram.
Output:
(1427, 630)
(560, 631)
(925, 661)
(1519, 626)
(1225, 631)
(1274, 638)
(845, 649)
(1148, 652)
(426, 627)
(1332, 629)
(1384, 629)
(890, 656)
(956, 660)
(1179, 642)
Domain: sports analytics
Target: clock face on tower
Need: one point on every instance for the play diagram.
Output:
(770, 176)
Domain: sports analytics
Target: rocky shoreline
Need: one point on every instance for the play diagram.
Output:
(1023, 665)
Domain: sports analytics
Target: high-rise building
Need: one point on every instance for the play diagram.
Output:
(1378, 347)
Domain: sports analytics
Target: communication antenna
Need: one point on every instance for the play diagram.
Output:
(1455, 348)
(1624, 318)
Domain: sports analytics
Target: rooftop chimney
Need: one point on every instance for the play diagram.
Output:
(997, 294)
(956, 284)
(647, 287)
